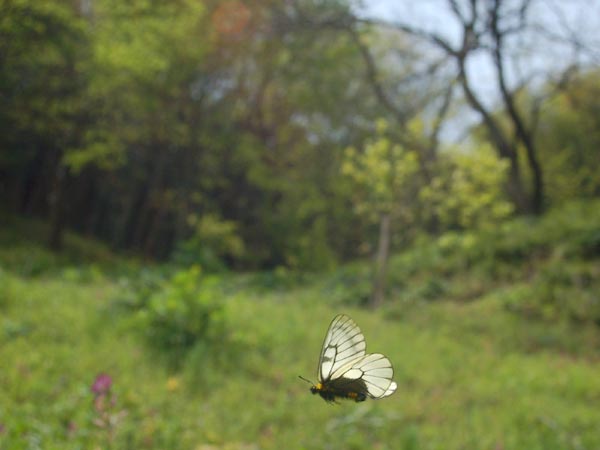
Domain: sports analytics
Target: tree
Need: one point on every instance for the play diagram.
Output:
(41, 86)
(499, 30)
(569, 139)
(386, 176)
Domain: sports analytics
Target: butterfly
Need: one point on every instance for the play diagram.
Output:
(346, 370)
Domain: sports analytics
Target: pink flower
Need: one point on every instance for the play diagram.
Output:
(102, 384)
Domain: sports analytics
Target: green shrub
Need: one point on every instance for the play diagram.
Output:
(550, 262)
(5, 289)
(279, 278)
(586, 244)
(135, 291)
(561, 290)
(28, 260)
(349, 285)
(213, 242)
(184, 311)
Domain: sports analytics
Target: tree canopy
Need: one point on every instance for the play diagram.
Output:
(247, 134)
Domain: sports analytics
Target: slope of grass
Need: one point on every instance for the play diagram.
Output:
(472, 372)
(546, 268)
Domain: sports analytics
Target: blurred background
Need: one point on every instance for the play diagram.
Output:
(190, 190)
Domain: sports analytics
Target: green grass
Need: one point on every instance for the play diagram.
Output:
(473, 373)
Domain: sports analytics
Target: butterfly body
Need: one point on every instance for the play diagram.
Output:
(346, 370)
(354, 390)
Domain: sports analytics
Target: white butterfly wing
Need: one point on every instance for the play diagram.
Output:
(375, 370)
(390, 390)
(344, 343)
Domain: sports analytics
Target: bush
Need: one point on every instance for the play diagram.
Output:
(135, 291)
(29, 260)
(350, 285)
(6, 289)
(562, 290)
(551, 264)
(214, 241)
(278, 279)
(184, 311)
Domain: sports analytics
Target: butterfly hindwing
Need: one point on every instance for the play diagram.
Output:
(376, 372)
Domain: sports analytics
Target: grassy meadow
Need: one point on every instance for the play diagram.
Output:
(494, 336)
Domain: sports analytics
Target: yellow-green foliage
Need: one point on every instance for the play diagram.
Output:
(468, 189)
(384, 173)
(212, 241)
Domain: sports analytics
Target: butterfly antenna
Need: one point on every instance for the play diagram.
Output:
(308, 381)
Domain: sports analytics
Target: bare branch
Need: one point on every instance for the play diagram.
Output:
(373, 77)
(558, 86)
(432, 38)
(522, 133)
(434, 139)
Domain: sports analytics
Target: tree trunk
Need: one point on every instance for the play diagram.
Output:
(57, 207)
(33, 186)
(515, 189)
(524, 133)
(381, 261)
(152, 246)
(537, 198)
(153, 197)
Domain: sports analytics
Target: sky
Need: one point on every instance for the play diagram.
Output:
(581, 17)
(561, 16)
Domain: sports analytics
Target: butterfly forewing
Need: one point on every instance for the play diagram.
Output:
(344, 343)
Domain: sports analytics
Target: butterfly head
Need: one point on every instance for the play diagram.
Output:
(315, 389)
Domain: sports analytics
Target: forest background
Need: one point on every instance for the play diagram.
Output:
(174, 174)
